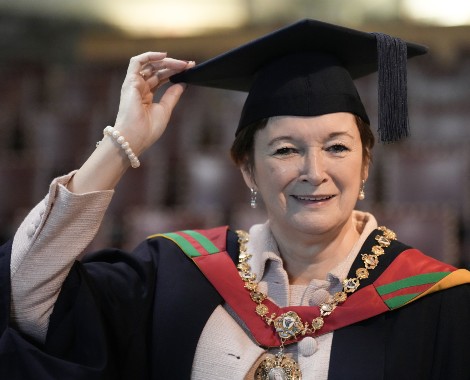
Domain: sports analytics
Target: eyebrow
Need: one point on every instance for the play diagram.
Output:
(280, 138)
(330, 136)
(340, 133)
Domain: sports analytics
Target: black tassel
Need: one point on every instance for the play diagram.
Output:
(392, 88)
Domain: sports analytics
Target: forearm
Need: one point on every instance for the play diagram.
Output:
(103, 169)
(45, 246)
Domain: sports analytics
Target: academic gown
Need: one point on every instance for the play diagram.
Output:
(140, 316)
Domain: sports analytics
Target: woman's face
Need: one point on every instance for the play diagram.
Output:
(308, 171)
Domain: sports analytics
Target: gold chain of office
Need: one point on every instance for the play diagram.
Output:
(289, 325)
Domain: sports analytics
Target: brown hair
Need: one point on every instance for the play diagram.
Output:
(243, 154)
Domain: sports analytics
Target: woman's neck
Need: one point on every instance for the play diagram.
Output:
(307, 257)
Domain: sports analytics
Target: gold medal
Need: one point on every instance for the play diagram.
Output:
(279, 367)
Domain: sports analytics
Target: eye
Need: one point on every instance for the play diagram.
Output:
(284, 151)
(338, 148)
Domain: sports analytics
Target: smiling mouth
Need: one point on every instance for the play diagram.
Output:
(313, 199)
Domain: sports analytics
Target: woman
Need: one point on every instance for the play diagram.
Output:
(318, 291)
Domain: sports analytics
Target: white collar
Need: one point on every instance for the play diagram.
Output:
(267, 263)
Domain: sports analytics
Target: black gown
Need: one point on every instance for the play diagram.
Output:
(140, 316)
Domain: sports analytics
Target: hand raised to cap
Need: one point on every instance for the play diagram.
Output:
(141, 119)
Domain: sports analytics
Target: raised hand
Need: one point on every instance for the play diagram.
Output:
(140, 119)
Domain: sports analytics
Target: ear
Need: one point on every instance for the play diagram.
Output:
(365, 169)
(248, 176)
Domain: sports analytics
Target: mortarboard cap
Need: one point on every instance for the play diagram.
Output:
(308, 68)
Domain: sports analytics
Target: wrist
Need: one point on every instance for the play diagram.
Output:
(120, 140)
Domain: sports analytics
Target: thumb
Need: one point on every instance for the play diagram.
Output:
(171, 97)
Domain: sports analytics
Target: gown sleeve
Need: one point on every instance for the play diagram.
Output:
(52, 236)
(100, 325)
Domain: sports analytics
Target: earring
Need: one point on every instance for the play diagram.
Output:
(254, 193)
(362, 194)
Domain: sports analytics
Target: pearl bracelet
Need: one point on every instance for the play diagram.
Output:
(116, 135)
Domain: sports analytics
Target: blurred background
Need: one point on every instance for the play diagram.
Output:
(62, 63)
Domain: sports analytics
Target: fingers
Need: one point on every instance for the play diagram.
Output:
(173, 93)
(150, 68)
(170, 67)
(160, 67)
(148, 64)
(148, 71)
(136, 63)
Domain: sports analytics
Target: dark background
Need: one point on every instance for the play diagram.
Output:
(60, 81)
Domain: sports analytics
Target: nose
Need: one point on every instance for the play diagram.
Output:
(313, 169)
